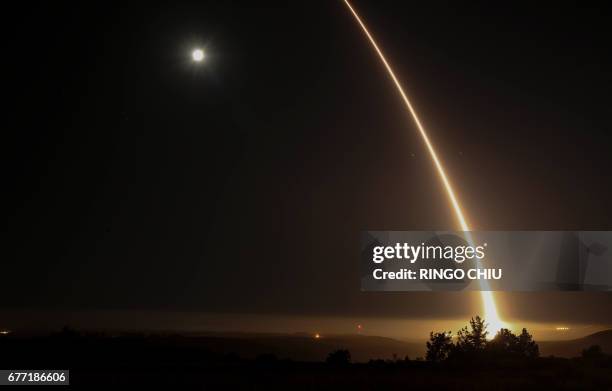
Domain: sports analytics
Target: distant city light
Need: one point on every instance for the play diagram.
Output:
(562, 328)
(317, 336)
(5, 332)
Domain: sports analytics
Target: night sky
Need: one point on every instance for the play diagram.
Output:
(139, 180)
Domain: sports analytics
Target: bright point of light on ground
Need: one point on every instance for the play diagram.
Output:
(197, 55)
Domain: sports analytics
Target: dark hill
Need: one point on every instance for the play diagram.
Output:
(574, 347)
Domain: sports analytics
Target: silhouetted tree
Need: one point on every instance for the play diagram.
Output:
(439, 346)
(474, 339)
(68, 332)
(340, 357)
(527, 346)
(593, 353)
(504, 343)
(472, 344)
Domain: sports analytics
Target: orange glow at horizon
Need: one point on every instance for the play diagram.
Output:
(490, 309)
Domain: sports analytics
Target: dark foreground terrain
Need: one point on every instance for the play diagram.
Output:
(179, 360)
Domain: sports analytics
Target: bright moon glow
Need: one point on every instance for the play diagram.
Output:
(490, 310)
(197, 55)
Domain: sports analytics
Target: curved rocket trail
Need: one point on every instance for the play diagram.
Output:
(490, 309)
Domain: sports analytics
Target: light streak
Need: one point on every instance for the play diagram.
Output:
(490, 309)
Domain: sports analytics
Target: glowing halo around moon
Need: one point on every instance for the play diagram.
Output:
(197, 55)
(490, 309)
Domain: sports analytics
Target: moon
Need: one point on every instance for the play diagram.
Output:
(197, 55)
